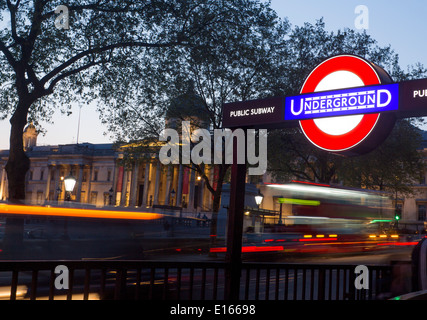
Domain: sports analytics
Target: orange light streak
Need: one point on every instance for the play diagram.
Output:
(317, 239)
(77, 212)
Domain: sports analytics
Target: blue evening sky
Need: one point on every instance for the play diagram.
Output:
(402, 24)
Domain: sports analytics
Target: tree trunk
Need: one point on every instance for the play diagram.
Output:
(18, 162)
(16, 169)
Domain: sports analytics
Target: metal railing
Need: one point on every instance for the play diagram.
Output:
(186, 281)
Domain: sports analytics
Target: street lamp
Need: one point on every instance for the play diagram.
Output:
(69, 183)
(258, 198)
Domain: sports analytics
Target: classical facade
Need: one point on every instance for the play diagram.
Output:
(102, 178)
(152, 184)
(92, 165)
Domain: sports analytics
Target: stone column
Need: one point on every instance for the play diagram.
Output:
(2, 184)
(157, 183)
(79, 183)
(179, 188)
(134, 185)
(146, 183)
(89, 185)
(125, 187)
(191, 190)
(56, 178)
(47, 189)
(201, 184)
(168, 184)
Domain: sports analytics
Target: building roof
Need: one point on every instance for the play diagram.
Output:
(88, 149)
(188, 105)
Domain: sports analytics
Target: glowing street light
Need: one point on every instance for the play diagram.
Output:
(69, 183)
(258, 198)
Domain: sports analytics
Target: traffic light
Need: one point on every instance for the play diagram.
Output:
(397, 214)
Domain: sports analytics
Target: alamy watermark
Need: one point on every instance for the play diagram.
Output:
(197, 147)
(62, 21)
(62, 278)
(362, 280)
(362, 19)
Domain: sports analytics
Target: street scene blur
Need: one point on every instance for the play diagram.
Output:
(155, 211)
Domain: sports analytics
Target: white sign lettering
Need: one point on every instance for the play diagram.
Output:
(420, 93)
(251, 112)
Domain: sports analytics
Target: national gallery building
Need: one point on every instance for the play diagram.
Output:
(102, 178)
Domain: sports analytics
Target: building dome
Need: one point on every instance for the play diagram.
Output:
(187, 107)
(30, 136)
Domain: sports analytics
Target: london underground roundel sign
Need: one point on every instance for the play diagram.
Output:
(352, 134)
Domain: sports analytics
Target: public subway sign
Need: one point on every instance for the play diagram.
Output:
(264, 112)
(347, 105)
(344, 102)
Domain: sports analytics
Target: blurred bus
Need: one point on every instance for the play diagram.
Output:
(321, 200)
(312, 216)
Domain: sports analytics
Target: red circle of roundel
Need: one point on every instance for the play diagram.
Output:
(346, 141)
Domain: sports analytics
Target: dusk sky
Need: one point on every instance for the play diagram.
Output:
(402, 24)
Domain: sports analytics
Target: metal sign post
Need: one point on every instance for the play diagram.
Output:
(235, 227)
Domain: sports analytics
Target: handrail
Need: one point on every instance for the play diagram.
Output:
(145, 279)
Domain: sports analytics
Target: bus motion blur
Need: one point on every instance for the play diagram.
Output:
(310, 217)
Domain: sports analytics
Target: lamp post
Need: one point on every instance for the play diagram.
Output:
(69, 183)
(258, 198)
(58, 193)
